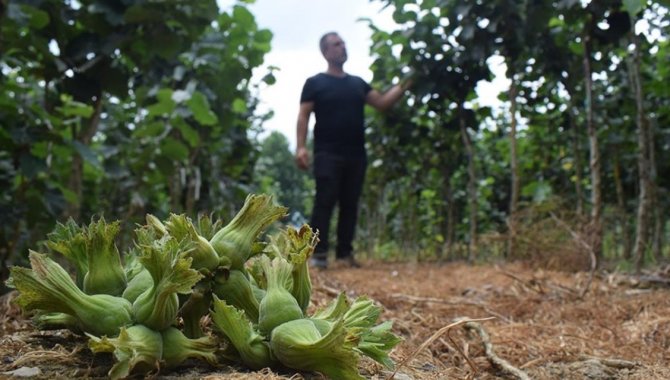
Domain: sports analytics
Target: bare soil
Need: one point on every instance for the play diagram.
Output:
(540, 328)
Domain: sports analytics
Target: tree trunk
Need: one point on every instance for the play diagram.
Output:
(366, 222)
(411, 230)
(595, 228)
(193, 193)
(10, 241)
(577, 156)
(175, 189)
(514, 168)
(472, 187)
(621, 209)
(447, 250)
(75, 182)
(643, 160)
(657, 239)
(381, 212)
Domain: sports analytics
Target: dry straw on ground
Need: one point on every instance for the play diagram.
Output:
(540, 326)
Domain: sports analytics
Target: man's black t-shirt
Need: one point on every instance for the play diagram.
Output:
(339, 103)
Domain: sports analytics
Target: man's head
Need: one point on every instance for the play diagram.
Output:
(333, 48)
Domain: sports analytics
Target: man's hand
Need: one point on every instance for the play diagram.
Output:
(383, 101)
(302, 158)
(407, 80)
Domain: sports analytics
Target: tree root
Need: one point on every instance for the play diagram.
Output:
(614, 363)
(490, 354)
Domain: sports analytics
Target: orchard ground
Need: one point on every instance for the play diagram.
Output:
(532, 322)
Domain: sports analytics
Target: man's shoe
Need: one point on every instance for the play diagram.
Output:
(319, 262)
(348, 262)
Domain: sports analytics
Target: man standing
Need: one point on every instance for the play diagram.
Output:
(337, 100)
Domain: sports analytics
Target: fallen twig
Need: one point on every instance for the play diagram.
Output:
(528, 284)
(456, 302)
(653, 280)
(533, 362)
(463, 352)
(589, 249)
(318, 284)
(328, 290)
(430, 340)
(614, 363)
(490, 354)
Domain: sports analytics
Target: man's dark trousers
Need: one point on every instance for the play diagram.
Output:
(339, 180)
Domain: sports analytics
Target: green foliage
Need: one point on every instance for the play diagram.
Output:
(276, 174)
(417, 197)
(144, 107)
(123, 108)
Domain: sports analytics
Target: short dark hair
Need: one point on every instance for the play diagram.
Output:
(322, 41)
